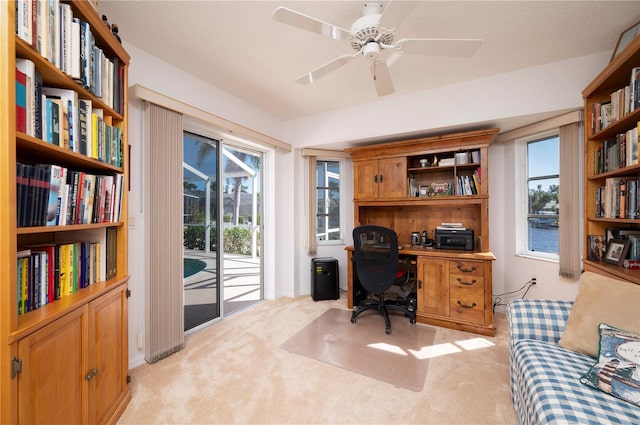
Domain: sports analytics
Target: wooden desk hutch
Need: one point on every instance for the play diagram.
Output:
(392, 188)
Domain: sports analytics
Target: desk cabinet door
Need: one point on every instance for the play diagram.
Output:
(433, 288)
(392, 178)
(365, 179)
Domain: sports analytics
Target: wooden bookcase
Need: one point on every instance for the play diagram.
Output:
(68, 357)
(416, 185)
(614, 77)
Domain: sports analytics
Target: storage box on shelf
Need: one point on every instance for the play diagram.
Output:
(612, 171)
(63, 240)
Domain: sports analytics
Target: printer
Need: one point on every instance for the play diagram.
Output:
(454, 239)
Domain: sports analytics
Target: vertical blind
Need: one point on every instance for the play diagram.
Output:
(570, 201)
(164, 240)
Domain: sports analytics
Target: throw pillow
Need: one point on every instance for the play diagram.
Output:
(600, 299)
(618, 369)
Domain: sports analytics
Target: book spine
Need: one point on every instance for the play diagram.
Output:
(21, 101)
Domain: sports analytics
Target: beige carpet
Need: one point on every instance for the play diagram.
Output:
(235, 372)
(365, 348)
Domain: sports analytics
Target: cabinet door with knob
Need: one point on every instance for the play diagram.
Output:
(380, 179)
(51, 382)
(108, 355)
(433, 286)
(74, 369)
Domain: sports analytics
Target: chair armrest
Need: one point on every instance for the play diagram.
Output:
(542, 320)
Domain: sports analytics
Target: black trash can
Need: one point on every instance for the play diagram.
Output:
(324, 279)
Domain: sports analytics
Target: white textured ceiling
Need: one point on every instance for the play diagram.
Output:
(236, 46)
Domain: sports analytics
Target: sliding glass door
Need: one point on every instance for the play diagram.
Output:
(200, 223)
(231, 220)
(242, 199)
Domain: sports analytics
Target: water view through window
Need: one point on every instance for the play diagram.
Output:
(543, 182)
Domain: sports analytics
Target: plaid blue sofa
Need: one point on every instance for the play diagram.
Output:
(545, 378)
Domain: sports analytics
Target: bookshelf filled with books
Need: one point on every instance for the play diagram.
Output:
(612, 169)
(64, 166)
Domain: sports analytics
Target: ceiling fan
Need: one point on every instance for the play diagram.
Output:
(370, 35)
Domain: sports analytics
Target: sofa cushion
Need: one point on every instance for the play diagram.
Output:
(547, 381)
(617, 371)
(600, 299)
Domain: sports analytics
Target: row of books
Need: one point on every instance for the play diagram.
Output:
(52, 195)
(469, 185)
(66, 41)
(618, 198)
(623, 101)
(617, 153)
(49, 272)
(58, 116)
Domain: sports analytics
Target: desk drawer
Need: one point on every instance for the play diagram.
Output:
(475, 268)
(467, 302)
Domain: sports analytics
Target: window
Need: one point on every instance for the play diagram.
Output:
(328, 201)
(543, 189)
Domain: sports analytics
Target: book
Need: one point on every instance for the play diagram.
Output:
(53, 202)
(84, 120)
(21, 101)
(48, 279)
(74, 61)
(112, 252)
(69, 104)
(28, 68)
(24, 23)
(37, 105)
(63, 197)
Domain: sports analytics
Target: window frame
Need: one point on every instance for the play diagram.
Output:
(341, 170)
(522, 195)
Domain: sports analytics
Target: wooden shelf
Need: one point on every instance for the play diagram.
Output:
(86, 329)
(616, 75)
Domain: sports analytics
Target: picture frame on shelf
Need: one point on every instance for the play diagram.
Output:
(626, 37)
(616, 251)
(597, 247)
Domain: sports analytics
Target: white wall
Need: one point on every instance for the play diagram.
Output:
(556, 86)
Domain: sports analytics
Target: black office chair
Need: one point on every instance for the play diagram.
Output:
(376, 263)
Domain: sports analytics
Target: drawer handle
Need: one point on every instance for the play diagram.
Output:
(472, 269)
(466, 305)
(473, 281)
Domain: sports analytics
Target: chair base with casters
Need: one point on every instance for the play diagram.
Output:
(384, 306)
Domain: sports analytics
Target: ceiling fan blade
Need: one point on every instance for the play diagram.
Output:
(396, 12)
(382, 78)
(325, 69)
(439, 46)
(299, 20)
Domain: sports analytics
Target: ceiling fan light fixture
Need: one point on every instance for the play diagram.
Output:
(371, 50)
